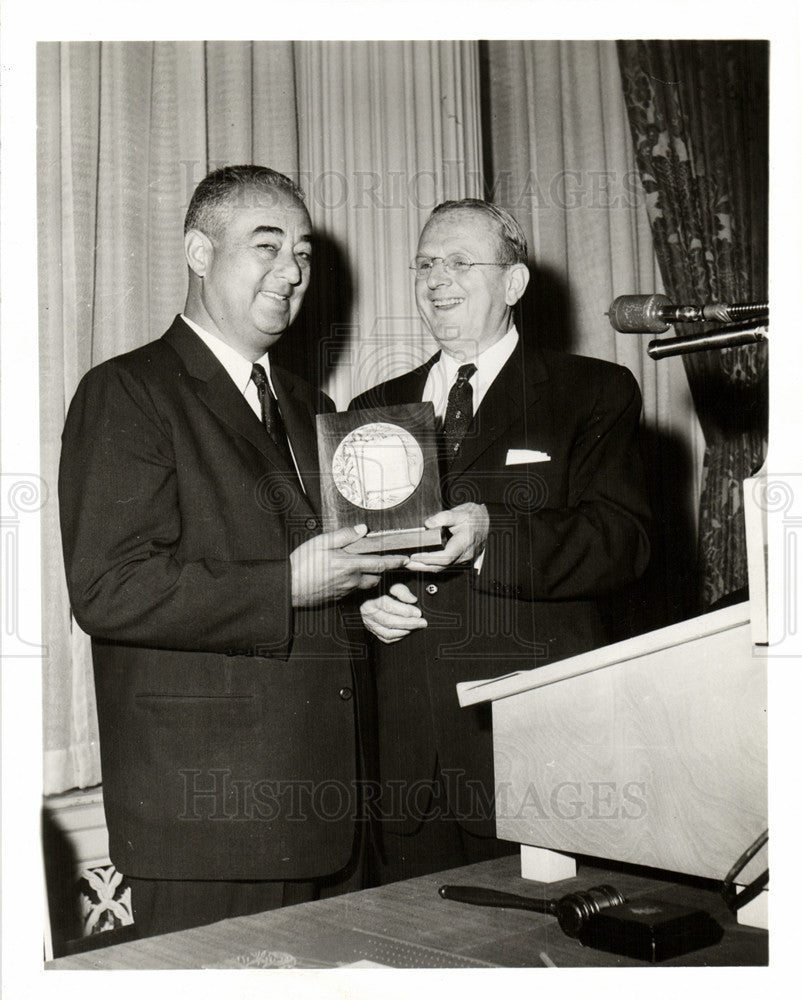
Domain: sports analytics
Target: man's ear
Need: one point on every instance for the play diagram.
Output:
(199, 251)
(517, 280)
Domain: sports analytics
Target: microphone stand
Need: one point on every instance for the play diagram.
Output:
(728, 337)
(654, 313)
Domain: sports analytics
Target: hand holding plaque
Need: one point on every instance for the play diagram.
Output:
(380, 467)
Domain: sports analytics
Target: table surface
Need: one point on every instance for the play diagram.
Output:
(408, 925)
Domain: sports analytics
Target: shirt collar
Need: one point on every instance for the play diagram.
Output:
(489, 363)
(238, 368)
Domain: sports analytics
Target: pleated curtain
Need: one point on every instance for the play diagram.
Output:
(562, 161)
(377, 133)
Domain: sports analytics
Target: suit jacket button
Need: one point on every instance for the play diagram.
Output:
(311, 523)
(431, 588)
(346, 694)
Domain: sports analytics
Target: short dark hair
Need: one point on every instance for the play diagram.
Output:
(512, 239)
(218, 190)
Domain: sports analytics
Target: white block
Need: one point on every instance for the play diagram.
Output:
(542, 865)
(756, 912)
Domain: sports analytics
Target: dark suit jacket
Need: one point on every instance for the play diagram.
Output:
(563, 533)
(227, 719)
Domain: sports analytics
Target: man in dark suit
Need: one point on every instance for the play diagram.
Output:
(547, 514)
(227, 698)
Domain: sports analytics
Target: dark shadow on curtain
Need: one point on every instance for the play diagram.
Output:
(544, 315)
(666, 593)
(323, 332)
(698, 113)
(486, 112)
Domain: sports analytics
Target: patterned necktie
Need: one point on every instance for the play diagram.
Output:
(271, 415)
(459, 412)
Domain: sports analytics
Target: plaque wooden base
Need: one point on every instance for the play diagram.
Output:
(399, 540)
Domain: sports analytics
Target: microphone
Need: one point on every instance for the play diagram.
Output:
(653, 313)
(728, 337)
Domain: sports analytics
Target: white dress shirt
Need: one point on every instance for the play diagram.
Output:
(443, 374)
(240, 369)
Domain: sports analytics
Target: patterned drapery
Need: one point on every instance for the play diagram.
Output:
(698, 113)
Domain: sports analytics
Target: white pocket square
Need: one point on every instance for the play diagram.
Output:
(518, 456)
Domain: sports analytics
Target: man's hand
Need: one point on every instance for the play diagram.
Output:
(321, 571)
(469, 524)
(392, 616)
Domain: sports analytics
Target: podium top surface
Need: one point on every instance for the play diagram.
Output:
(494, 688)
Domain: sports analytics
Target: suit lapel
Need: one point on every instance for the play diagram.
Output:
(517, 387)
(217, 390)
(410, 386)
(300, 426)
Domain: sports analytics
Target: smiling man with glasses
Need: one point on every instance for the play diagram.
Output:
(546, 514)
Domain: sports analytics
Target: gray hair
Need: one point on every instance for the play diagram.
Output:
(221, 189)
(512, 239)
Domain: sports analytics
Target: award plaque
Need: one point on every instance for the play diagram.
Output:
(380, 467)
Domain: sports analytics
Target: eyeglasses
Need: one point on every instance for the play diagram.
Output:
(455, 263)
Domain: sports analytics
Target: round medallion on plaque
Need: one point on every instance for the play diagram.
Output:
(377, 466)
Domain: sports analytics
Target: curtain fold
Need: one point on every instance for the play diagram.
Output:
(386, 131)
(562, 161)
(377, 133)
(67, 213)
(698, 113)
(126, 131)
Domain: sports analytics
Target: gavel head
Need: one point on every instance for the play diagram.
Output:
(573, 911)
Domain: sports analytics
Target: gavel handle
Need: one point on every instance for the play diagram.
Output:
(572, 911)
(492, 897)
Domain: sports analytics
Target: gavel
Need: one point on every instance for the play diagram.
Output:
(572, 911)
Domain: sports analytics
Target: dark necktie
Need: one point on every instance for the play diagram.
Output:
(271, 416)
(459, 412)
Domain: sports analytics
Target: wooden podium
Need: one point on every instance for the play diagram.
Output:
(650, 751)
